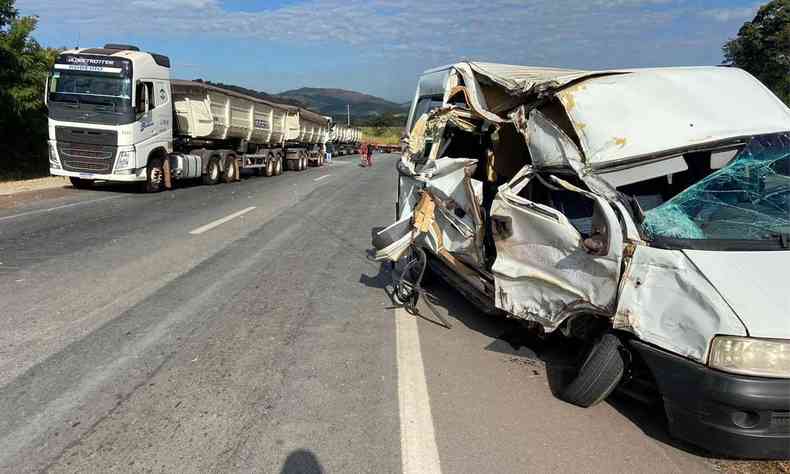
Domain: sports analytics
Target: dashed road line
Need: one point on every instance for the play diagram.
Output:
(56, 208)
(219, 222)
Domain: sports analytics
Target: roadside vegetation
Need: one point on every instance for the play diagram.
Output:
(382, 135)
(24, 66)
(762, 47)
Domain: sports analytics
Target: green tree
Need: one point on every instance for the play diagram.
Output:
(24, 66)
(762, 47)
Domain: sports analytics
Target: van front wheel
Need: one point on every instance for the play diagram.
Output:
(598, 375)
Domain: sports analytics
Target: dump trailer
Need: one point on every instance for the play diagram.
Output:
(345, 139)
(116, 115)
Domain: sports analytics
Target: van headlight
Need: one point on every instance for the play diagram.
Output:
(125, 160)
(751, 356)
(54, 162)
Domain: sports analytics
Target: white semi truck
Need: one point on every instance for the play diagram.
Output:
(345, 140)
(116, 115)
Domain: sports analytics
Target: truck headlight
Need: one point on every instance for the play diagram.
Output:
(750, 356)
(54, 162)
(125, 160)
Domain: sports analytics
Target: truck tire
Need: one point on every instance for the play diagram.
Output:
(598, 375)
(231, 170)
(303, 163)
(80, 183)
(278, 167)
(270, 167)
(212, 171)
(155, 176)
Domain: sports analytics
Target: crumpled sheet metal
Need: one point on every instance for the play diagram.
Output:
(652, 111)
(542, 272)
(666, 301)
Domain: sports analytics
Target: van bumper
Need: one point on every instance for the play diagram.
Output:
(728, 414)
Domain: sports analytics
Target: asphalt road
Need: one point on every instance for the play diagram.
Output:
(242, 328)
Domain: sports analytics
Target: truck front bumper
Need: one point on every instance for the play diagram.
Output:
(728, 414)
(133, 176)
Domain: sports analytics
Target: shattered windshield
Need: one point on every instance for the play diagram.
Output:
(749, 199)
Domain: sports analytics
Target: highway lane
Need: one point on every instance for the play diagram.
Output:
(242, 328)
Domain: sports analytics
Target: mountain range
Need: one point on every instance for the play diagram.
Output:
(331, 102)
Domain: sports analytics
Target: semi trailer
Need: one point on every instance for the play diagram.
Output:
(116, 115)
(345, 140)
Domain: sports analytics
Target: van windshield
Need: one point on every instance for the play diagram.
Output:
(749, 199)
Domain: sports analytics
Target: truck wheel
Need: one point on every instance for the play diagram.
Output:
(270, 168)
(278, 166)
(212, 172)
(80, 183)
(303, 163)
(598, 375)
(155, 177)
(231, 169)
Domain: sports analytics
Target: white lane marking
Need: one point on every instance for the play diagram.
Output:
(56, 208)
(322, 177)
(219, 222)
(417, 440)
(332, 163)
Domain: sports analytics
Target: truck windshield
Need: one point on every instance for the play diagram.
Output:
(90, 97)
(747, 200)
(89, 87)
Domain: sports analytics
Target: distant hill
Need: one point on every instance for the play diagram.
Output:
(259, 94)
(365, 109)
(334, 101)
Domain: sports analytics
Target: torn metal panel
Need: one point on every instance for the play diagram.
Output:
(617, 119)
(548, 145)
(666, 301)
(542, 271)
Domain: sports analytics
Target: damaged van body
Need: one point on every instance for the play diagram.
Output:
(646, 211)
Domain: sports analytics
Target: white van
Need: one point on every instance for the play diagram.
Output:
(644, 211)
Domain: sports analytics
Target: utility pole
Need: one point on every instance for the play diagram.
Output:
(348, 115)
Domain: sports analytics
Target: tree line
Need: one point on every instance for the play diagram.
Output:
(762, 47)
(24, 66)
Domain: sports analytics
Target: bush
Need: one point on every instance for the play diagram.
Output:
(24, 66)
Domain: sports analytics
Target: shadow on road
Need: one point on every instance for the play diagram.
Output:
(302, 461)
(556, 355)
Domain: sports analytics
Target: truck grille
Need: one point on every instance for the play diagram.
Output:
(84, 157)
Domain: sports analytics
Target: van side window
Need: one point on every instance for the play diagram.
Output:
(425, 105)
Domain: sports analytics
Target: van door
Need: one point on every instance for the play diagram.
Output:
(546, 269)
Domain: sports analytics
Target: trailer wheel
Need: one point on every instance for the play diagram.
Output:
(270, 167)
(212, 171)
(155, 177)
(231, 169)
(598, 375)
(80, 183)
(278, 168)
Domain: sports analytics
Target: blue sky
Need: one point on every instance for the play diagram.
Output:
(380, 46)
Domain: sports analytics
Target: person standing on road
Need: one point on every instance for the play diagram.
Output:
(371, 148)
(363, 151)
(329, 150)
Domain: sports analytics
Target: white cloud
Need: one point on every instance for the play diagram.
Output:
(424, 33)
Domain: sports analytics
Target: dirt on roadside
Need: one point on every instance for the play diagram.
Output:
(752, 467)
(13, 187)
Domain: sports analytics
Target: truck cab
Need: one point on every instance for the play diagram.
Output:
(110, 114)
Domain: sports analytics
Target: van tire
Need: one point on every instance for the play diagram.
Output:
(598, 375)
(80, 183)
(212, 171)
